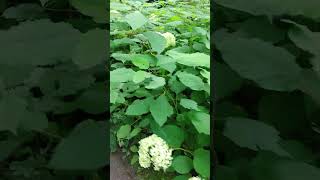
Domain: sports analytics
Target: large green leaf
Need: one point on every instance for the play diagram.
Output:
(138, 107)
(193, 59)
(91, 50)
(253, 134)
(84, 149)
(141, 60)
(291, 170)
(38, 47)
(189, 104)
(136, 20)
(161, 109)
(308, 41)
(201, 162)
(283, 109)
(269, 66)
(139, 76)
(174, 135)
(97, 9)
(226, 80)
(7, 147)
(274, 7)
(24, 11)
(166, 63)
(12, 112)
(157, 41)
(309, 84)
(94, 100)
(121, 75)
(305, 39)
(123, 131)
(182, 164)
(201, 121)
(192, 81)
(156, 82)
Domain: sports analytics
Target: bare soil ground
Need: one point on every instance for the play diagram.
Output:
(120, 169)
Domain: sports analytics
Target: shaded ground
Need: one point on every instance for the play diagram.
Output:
(120, 169)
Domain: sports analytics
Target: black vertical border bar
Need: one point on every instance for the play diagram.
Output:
(213, 156)
(108, 85)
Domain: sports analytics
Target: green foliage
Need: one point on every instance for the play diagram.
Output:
(267, 89)
(53, 90)
(160, 57)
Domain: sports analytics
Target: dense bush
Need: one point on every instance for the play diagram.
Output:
(160, 83)
(267, 85)
(53, 100)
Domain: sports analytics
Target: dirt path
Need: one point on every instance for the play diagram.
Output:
(119, 168)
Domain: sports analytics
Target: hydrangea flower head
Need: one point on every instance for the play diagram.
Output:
(171, 40)
(154, 151)
(195, 178)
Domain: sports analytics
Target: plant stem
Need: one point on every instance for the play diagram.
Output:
(185, 150)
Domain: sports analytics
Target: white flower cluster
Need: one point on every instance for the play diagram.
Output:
(154, 150)
(171, 40)
(195, 178)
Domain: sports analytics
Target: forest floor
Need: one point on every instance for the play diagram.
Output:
(119, 168)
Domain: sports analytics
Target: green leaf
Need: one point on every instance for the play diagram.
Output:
(298, 150)
(123, 131)
(44, 2)
(119, 6)
(226, 173)
(283, 109)
(134, 132)
(157, 41)
(136, 20)
(201, 162)
(291, 170)
(7, 147)
(161, 109)
(91, 50)
(134, 159)
(182, 164)
(156, 82)
(93, 100)
(182, 177)
(138, 107)
(308, 41)
(201, 121)
(34, 121)
(84, 149)
(27, 40)
(174, 135)
(121, 75)
(175, 85)
(12, 112)
(141, 60)
(275, 8)
(253, 134)
(205, 74)
(139, 76)
(269, 66)
(166, 63)
(191, 81)
(193, 59)
(189, 104)
(24, 11)
(305, 39)
(309, 84)
(97, 9)
(226, 81)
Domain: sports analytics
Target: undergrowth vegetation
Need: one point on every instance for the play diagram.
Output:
(53, 99)
(160, 86)
(267, 86)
